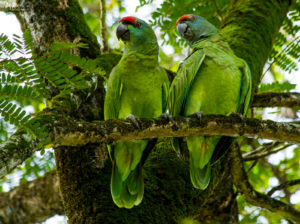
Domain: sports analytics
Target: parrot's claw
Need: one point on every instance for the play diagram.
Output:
(134, 120)
(166, 116)
(234, 114)
(199, 115)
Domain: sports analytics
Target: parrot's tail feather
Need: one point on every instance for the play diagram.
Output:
(177, 144)
(129, 192)
(200, 177)
(150, 145)
(221, 148)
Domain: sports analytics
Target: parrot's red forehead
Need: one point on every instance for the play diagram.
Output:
(183, 18)
(129, 19)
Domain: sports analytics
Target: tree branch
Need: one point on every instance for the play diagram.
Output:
(283, 186)
(31, 202)
(68, 132)
(9, 6)
(276, 100)
(103, 28)
(266, 151)
(15, 151)
(255, 198)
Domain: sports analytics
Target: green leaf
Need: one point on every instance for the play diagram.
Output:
(276, 87)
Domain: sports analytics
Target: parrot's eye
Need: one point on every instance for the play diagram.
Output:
(138, 25)
(194, 18)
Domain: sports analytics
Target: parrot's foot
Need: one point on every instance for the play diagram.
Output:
(238, 115)
(166, 116)
(134, 120)
(198, 115)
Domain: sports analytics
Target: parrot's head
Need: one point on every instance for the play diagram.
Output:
(137, 35)
(193, 28)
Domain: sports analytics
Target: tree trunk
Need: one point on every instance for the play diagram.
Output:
(84, 172)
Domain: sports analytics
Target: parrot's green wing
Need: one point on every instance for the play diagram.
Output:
(113, 96)
(245, 96)
(183, 81)
(246, 87)
(112, 99)
(165, 89)
(180, 88)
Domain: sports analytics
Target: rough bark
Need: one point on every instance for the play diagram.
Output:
(112, 131)
(276, 100)
(169, 196)
(15, 151)
(67, 131)
(103, 28)
(31, 202)
(250, 27)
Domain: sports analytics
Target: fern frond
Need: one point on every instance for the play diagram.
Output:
(87, 65)
(6, 78)
(59, 74)
(14, 114)
(39, 131)
(24, 72)
(6, 46)
(16, 91)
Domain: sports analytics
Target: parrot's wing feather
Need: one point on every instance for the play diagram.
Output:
(165, 89)
(245, 95)
(113, 96)
(246, 88)
(183, 81)
(180, 89)
(112, 100)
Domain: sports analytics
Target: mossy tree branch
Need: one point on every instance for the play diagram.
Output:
(13, 152)
(270, 99)
(103, 28)
(31, 202)
(250, 28)
(68, 131)
(73, 133)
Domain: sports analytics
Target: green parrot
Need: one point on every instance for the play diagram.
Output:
(211, 80)
(137, 86)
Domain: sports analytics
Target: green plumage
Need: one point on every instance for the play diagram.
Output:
(136, 86)
(212, 80)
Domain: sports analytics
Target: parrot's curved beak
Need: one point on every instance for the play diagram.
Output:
(123, 32)
(184, 30)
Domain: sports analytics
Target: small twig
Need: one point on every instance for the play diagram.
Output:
(218, 11)
(283, 186)
(264, 153)
(252, 166)
(103, 28)
(271, 99)
(262, 148)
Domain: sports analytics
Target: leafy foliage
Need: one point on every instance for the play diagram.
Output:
(276, 87)
(24, 78)
(165, 16)
(286, 49)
